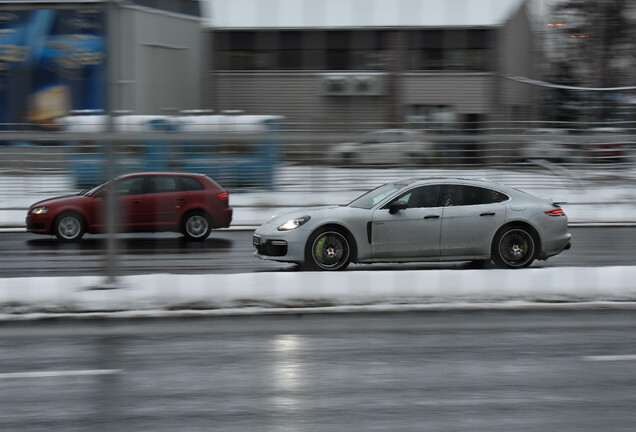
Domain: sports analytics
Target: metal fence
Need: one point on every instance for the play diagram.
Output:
(262, 152)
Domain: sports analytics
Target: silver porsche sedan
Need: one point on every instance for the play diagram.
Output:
(436, 219)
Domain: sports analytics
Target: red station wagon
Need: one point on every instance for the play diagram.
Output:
(192, 204)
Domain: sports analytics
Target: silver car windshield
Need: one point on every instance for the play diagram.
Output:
(374, 197)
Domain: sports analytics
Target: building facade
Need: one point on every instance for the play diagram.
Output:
(424, 62)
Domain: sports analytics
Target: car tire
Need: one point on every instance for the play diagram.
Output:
(196, 226)
(69, 227)
(328, 249)
(514, 247)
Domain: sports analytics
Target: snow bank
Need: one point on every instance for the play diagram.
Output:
(159, 294)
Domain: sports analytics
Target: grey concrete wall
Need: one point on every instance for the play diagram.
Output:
(159, 62)
(516, 57)
(467, 93)
(298, 96)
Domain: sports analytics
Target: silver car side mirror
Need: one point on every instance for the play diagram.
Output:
(397, 206)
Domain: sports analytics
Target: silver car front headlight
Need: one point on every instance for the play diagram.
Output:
(294, 223)
(40, 210)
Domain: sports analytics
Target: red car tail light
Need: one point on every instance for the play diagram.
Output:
(555, 212)
(223, 196)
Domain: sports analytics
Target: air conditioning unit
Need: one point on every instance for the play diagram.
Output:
(354, 84)
(367, 85)
(335, 85)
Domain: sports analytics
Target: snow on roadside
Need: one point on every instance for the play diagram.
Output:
(22, 298)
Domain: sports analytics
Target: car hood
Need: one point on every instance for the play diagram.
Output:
(286, 215)
(65, 199)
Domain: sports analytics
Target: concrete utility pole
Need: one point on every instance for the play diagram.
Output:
(113, 33)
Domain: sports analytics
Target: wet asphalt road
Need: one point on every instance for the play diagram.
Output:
(439, 371)
(24, 254)
(493, 371)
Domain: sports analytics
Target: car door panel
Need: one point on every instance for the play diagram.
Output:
(409, 233)
(131, 210)
(468, 230)
(164, 202)
(163, 208)
(130, 192)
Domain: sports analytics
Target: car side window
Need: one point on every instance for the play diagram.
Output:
(162, 184)
(129, 186)
(191, 184)
(419, 197)
(463, 195)
(493, 196)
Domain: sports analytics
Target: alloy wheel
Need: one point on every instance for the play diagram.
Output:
(516, 248)
(196, 226)
(69, 228)
(330, 251)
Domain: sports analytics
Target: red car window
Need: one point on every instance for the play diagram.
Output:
(191, 184)
(130, 186)
(163, 184)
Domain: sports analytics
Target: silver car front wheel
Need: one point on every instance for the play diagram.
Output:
(328, 250)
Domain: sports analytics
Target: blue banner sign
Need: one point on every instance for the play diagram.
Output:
(52, 62)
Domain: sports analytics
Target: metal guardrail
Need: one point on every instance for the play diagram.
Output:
(230, 155)
(257, 151)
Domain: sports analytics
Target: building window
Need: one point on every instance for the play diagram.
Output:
(290, 59)
(477, 59)
(426, 50)
(240, 60)
(455, 59)
(431, 116)
(432, 59)
(338, 59)
(448, 50)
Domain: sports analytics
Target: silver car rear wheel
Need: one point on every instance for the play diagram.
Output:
(330, 250)
(514, 248)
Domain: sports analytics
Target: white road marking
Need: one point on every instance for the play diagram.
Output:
(49, 374)
(630, 357)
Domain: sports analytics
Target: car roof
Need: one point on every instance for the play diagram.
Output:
(457, 180)
(425, 180)
(480, 182)
(160, 173)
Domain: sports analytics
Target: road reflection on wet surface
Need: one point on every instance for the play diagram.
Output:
(501, 371)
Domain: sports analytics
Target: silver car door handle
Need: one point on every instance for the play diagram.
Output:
(431, 217)
(488, 214)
